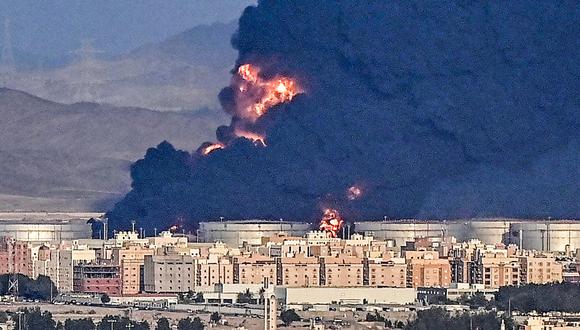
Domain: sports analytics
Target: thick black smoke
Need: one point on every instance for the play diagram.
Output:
(435, 108)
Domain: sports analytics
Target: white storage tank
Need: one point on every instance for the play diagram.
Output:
(546, 235)
(238, 232)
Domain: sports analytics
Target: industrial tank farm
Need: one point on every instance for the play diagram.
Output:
(46, 227)
(235, 233)
(541, 235)
(401, 231)
(555, 235)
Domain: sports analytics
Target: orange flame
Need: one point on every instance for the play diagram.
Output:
(331, 222)
(210, 148)
(270, 92)
(258, 139)
(353, 193)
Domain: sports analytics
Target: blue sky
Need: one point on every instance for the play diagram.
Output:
(53, 28)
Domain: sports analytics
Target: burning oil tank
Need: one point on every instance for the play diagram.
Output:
(46, 227)
(238, 232)
(546, 235)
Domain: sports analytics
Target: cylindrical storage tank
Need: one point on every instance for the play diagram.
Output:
(45, 226)
(489, 231)
(45, 230)
(546, 235)
(238, 232)
(401, 231)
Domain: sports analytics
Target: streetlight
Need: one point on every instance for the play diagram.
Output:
(19, 319)
(129, 325)
(112, 322)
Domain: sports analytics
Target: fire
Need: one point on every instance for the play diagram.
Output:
(210, 148)
(264, 94)
(258, 139)
(248, 73)
(331, 222)
(353, 193)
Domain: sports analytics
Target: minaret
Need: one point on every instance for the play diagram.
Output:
(7, 63)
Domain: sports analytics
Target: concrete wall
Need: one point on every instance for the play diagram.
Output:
(298, 296)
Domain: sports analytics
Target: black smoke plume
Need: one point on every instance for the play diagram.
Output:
(434, 108)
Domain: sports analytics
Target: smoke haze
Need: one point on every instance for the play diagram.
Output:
(432, 109)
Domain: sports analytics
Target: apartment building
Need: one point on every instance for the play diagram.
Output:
(387, 273)
(539, 269)
(213, 270)
(426, 269)
(298, 271)
(15, 257)
(97, 278)
(341, 271)
(168, 273)
(131, 258)
(253, 269)
(495, 268)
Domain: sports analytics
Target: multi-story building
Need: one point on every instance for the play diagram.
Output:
(387, 273)
(97, 278)
(426, 269)
(131, 258)
(539, 269)
(341, 271)
(214, 270)
(496, 268)
(57, 262)
(15, 257)
(298, 271)
(168, 273)
(253, 269)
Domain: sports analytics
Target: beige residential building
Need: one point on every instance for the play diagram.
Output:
(57, 262)
(299, 271)
(426, 269)
(342, 271)
(495, 268)
(168, 273)
(387, 273)
(253, 269)
(539, 269)
(131, 258)
(214, 270)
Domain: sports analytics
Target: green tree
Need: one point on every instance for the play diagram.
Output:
(245, 297)
(105, 299)
(79, 324)
(121, 323)
(376, 317)
(163, 324)
(215, 317)
(41, 288)
(199, 298)
(558, 297)
(288, 316)
(190, 324)
(34, 319)
(436, 318)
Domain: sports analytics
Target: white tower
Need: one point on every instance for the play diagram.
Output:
(270, 307)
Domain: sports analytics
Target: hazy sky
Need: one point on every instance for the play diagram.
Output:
(54, 28)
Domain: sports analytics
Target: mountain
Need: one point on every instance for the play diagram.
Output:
(184, 72)
(55, 156)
